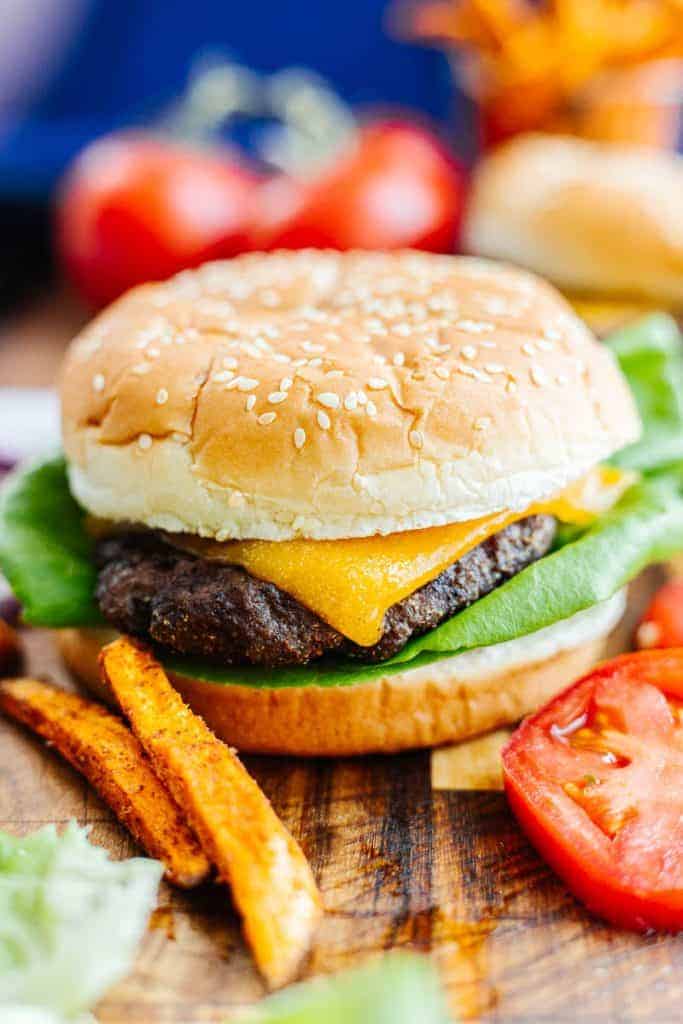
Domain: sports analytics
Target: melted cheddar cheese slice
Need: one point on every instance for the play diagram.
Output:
(351, 583)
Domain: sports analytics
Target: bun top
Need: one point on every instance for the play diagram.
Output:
(594, 217)
(325, 395)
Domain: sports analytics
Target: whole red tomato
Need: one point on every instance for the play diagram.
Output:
(133, 208)
(397, 186)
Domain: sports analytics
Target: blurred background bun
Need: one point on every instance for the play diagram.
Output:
(595, 218)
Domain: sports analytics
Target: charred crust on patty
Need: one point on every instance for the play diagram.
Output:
(193, 606)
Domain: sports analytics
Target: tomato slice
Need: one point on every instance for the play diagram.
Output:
(662, 623)
(595, 779)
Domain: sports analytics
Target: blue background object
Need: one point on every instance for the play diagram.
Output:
(128, 58)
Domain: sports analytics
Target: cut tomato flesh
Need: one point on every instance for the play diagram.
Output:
(596, 780)
(662, 624)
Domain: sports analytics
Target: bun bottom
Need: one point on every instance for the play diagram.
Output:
(382, 716)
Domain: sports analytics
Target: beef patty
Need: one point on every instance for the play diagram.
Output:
(193, 606)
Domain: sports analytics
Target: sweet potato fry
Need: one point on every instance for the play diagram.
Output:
(102, 747)
(271, 881)
(10, 649)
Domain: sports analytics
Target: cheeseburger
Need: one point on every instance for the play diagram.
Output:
(306, 475)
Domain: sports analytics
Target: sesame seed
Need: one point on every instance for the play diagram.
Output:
(251, 350)
(299, 437)
(162, 396)
(403, 330)
(229, 363)
(328, 399)
(538, 376)
(250, 403)
(324, 421)
(280, 357)
(266, 417)
(371, 408)
(153, 353)
(528, 349)
(494, 367)
(334, 373)
(442, 372)
(544, 345)
(467, 371)
(511, 386)
(474, 326)
(275, 397)
(399, 359)
(286, 383)
(562, 380)
(482, 423)
(222, 376)
(98, 382)
(141, 368)
(495, 306)
(309, 346)
(315, 362)
(247, 383)
(362, 397)
(351, 401)
(271, 298)
(468, 352)
(416, 438)
(377, 383)
(144, 442)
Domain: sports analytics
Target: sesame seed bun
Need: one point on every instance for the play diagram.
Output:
(326, 395)
(593, 217)
(447, 701)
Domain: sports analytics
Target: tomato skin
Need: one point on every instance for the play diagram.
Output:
(134, 208)
(662, 623)
(634, 878)
(396, 187)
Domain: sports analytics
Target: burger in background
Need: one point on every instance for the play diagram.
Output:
(603, 221)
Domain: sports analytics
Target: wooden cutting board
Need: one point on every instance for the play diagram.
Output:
(404, 859)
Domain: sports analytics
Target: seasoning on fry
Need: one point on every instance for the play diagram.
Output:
(105, 751)
(271, 881)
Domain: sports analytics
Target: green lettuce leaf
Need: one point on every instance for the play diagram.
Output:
(70, 919)
(44, 549)
(650, 354)
(398, 989)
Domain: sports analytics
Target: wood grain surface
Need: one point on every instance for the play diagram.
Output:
(400, 863)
